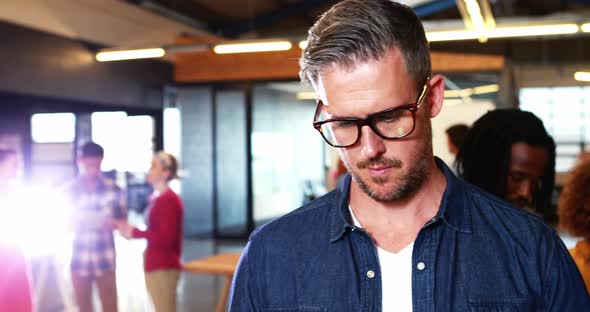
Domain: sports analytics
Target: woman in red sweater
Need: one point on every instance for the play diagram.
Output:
(164, 234)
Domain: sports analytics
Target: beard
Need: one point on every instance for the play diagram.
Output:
(523, 203)
(404, 186)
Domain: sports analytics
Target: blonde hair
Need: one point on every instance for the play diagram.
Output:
(169, 163)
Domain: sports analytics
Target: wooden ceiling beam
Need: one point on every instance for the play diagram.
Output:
(202, 67)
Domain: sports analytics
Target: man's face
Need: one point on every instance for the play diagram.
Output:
(90, 167)
(527, 168)
(386, 170)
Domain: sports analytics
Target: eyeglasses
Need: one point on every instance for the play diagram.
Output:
(390, 124)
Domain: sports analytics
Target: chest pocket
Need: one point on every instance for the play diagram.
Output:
(501, 305)
(298, 309)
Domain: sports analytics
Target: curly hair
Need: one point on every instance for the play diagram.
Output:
(574, 203)
(484, 158)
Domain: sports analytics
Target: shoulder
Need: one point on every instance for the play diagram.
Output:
(486, 205)
(312, 219)
(492, 216)
(169, 198)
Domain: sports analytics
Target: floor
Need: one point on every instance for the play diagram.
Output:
(196, 292)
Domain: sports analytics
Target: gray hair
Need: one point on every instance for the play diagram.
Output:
(356, 31)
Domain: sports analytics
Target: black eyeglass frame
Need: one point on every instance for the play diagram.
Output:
(367, 121)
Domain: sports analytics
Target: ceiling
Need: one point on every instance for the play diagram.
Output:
(130, 23)
(104, 22)
(269, 18)
(150, 23)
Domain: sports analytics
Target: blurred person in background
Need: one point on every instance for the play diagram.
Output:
(98, 204)
(336, 174)
(455, 137)
(574, 215)
(164, 217)
(509, 153)
(15, 283)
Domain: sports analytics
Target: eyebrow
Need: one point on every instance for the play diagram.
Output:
(333, 116)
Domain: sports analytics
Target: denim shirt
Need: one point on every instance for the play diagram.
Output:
(478, 254)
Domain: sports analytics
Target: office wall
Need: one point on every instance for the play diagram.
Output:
(231, 163)
(43, 65)
(196, 108)
(451, 114)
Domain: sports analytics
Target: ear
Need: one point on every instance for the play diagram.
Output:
(436, 94)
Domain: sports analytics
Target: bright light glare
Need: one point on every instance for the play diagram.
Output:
(504, 32)
(476, 17)
(37, 220)
(303, 44)
(582, 76)
(53, 128)
(306, 95)
(109, 130)
(252, 47)
(107, 56)
(492, 88)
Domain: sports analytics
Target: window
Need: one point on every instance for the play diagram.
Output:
(565, 111)
(53, 128)
(127, 140)
(52, 151)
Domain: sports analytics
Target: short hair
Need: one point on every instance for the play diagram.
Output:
(356, 31)
(457, 134)
(5, 153)
(484, 158)
(574, 202)
(91, 149)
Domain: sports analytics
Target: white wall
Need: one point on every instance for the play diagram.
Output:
(453, 113)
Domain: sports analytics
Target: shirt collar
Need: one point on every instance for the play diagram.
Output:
(454, 210)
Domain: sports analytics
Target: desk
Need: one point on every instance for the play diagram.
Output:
(222, 264)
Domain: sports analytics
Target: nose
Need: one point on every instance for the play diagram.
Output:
(525, 189)
(372, 145)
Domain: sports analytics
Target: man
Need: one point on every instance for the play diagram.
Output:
(509, 153)
(98, 206)
(401, 233)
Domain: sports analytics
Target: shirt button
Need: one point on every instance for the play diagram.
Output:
(370, 274)
(421, 266)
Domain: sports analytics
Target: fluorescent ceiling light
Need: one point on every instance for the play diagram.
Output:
(303, 44)
(247, 47)
(107, 56)
(476, 17)
(528, 31)
(310, 95)
(586, 27)
(504, 32)
(462, 93)
(486, 89)
(582, 76)
(451, 35)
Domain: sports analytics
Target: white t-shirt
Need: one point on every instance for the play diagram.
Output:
(396, 276)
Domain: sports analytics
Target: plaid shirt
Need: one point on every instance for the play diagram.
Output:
(93, 251)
